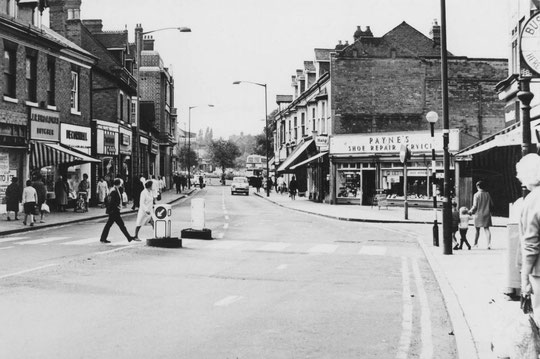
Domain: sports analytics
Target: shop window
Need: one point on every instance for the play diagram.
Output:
(348, 184)
(10, 70)
(74, 91)
(31, 78)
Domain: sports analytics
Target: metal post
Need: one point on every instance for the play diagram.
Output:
(525, 96)
(447, 208)
(405, 203)
(434, 187)
(267, 142)
(189, 150)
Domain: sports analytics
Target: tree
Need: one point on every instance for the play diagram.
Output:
(183, 157)
(223, 153)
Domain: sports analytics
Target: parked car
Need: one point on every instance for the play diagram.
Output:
(240, 185)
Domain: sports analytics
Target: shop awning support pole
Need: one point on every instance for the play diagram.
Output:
(525, 96)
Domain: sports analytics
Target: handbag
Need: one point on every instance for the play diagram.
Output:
(45, 208)
(159, 196)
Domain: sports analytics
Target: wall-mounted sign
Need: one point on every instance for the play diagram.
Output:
(390, 143)
(125, 141)
(44, 124)
(321, 142)
(107, 138)
(530, 43)
(154, 149)
(143, 141)
(78, 137)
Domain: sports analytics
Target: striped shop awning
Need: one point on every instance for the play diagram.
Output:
(49, 154)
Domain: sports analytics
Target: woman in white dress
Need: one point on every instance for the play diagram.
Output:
(145, 208)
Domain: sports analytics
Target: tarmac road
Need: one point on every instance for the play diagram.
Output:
(275, 283)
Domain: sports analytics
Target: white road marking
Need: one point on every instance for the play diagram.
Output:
(275, 246)
(82, 241)
(227, 301)
(406, 321)
(225, 244)
(425, 315)
(43, 240)
(282, 267)
(323, 248)
(226, 225)
(27, 271)
(11, 239)
(373, 250)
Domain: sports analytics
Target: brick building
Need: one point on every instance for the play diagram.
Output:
(159, 117)
(112, 89)
(45, 112)
(378, 93)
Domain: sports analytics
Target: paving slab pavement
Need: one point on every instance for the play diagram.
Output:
(472, 282)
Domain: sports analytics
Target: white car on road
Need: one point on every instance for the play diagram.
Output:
(240, 185)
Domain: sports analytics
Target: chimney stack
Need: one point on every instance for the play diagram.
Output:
(435, 34)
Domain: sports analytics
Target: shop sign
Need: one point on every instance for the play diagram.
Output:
(13, 118)
(107, 142)
(530, 43)
(321, 142)
(78, 137)
(155, 148)
(143, 141)
(44, 124)
(390, 143)
(125, 141)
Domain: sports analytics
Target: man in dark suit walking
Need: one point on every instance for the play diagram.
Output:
(113, 210)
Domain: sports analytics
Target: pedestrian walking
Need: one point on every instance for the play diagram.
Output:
(61, 193)
(258, 183)
(269, 184)
(138, 187)
(201, 182)
(146, 202)
(528, 172)
(41, 196)
(275, 182)
(113, 210)
(82, 195)
(178, 183)
(102, 190)
(455, 225)
(13, 198)
(464, 219)
(482, 204)
(293, 187)
(29, 201)
(280, 182)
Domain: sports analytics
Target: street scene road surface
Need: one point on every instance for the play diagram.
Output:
(273, 283)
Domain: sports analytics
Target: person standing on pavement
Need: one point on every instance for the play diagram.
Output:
(113, 210)
(41, 196)
(29, 201)
(464, 219)
(293, 187)
(102, 191)
(13, 198)
(269, 184)
(138, 187)
(146, 202)
(61, 192)
(528, 172)
(83, 188)
(482, 204)
(280, 182)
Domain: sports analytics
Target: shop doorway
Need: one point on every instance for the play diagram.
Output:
(368, 187)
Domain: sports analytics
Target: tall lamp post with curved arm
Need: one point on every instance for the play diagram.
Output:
(189, 143)
(432, 117)
(136, 162)
(265, 130)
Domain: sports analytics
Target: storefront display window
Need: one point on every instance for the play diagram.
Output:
(349, 184)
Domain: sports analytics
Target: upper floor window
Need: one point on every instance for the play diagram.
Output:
(10, 71)
(51, 86)
(74, 14)
(31, 78)
(303, 125)
(313, 119)
(74, 91)
(121, 104)
(295, 128)
(11, 8)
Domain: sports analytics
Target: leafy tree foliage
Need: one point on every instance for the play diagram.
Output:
(223, 154)
(183, 157)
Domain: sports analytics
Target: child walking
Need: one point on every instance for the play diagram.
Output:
(464, 219)
(455, 225)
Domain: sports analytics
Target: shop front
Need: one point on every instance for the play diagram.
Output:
(144, 153)
(364, 165)
(13, 150)
(125, 158)
(107, 150)
(154, 158)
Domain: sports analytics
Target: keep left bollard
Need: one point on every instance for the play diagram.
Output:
(161, 215)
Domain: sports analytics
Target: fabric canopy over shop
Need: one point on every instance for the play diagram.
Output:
(309, 160)
(510, 136)
(48, 154)
(294, 156)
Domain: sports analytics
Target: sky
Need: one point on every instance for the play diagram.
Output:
(265, 41)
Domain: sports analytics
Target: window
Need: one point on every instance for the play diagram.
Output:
(313, 119)
(134, 111)
(74, 91)
(121, 103)
(31, 78)
(11, 8)
(10, 57)
(51, 86)
(303, 124)
(295, 129)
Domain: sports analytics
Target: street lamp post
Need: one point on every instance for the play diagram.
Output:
(447, 207)
(189, 145)
(136, 161)
(432, 118)
(267, 145)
